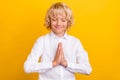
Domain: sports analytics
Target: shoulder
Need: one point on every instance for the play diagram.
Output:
(73, 38)
(77, 43)
(42, 37)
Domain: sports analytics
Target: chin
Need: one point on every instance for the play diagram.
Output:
(58, 32)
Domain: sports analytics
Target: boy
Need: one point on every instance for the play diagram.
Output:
(61, 55)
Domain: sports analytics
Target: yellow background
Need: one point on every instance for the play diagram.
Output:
(97, 25)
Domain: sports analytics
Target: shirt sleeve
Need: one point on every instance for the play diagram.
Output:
(32, 64)
(82, 64)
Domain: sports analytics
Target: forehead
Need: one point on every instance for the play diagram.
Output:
(57, 13)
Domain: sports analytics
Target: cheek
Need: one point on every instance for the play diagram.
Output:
(53, 23)
(65, 24)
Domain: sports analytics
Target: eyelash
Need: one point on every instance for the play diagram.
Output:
(56, 20)
(63, 20)
(53, 19)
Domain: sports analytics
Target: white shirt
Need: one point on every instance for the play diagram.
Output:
(46, 46)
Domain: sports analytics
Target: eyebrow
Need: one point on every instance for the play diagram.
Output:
(63, 17)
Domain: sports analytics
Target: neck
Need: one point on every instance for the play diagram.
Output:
(59, 34)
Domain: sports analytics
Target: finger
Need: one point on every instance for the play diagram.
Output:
(59, 46)
(62, 53)
(62, 56)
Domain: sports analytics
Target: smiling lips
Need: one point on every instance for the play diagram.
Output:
(58, 27)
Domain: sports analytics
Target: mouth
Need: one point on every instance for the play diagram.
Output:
(58, 27)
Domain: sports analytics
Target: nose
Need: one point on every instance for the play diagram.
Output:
(58, 22)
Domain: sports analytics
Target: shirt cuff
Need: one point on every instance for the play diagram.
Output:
(70, 65)
(47, 64)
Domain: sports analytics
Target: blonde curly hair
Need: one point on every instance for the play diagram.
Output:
(58, 8)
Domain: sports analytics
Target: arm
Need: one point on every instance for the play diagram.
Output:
(32, 64)
(82, 64)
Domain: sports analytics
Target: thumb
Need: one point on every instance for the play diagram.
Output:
(59, 45)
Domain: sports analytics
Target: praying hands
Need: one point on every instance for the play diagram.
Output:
(59, 58)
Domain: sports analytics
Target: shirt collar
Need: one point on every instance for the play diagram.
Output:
(52, 34)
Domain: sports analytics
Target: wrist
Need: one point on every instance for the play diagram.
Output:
(64, 64)
(54, 63)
